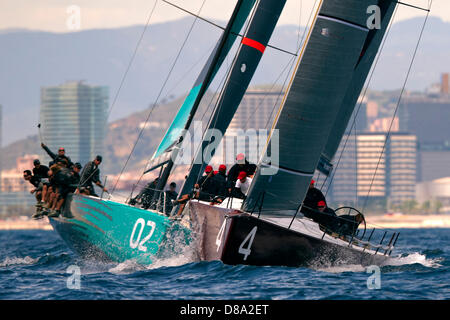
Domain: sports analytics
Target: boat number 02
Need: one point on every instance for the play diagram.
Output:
(250, 237)
(138, 243)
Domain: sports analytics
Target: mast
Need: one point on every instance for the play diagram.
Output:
(323, 76)
(192, 102)
(249, 54)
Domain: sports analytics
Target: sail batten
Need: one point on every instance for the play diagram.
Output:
(320, 85)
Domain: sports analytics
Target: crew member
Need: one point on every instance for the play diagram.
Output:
(170, 195)
(37, 191)
(41, 172)
(242, 185)
(62, 180)
(75, 179)
(203, 190)
(39, 169)
(313, 196)
(241, 165)
(91, 174)
(61, 155)
(145, 197)
(220, 184)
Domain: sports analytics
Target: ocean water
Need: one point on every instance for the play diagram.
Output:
(38, 265)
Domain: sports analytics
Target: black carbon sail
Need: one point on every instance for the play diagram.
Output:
(362, 68)
(329, 72)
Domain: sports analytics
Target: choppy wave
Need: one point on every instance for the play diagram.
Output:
(422, 271)
(14, 261)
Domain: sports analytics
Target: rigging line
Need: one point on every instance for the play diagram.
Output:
(227, 75)
(412, 6)
(209, 105)
(266, 94)
(167, 96)
(220, 27)
(189, 71)
(298, 46)
(361, 101)
(398, 103)
(301, 44)
(159, 95)
(131, 60)
(299, 24)
(220, 84)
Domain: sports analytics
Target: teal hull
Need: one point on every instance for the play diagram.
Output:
(110, 231)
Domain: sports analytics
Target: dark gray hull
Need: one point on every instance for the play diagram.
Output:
(239, 238)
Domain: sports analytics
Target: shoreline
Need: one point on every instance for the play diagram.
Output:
(25, 223)
(401, 221)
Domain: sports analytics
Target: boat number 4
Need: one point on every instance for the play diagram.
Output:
(248, 240)
(138, 243)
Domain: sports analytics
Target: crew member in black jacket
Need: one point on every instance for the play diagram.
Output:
(313, 197)
(61, 155)
(242, 164)
(91, 174)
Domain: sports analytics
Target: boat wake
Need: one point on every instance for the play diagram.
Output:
(394, 263)
(414, 258)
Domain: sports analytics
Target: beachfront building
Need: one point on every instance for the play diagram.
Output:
(74, 116)
(374, 170)
(256, 111)
(436, 193)
(14, 190)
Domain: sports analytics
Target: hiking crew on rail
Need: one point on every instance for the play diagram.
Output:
(54, 182)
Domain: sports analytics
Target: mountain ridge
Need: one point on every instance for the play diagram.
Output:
(101, 56)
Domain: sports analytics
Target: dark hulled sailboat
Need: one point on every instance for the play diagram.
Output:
(310, 123)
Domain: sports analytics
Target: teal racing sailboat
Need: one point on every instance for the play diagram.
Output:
(108, 230)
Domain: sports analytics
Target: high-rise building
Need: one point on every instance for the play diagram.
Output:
(74, 115)
(427, 118)
(367, 171)
(257, 109)
(445, 83)
(256, 112)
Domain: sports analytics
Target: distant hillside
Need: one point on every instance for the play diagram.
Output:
(32, 59)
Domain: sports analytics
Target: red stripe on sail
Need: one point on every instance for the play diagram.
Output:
(254, 44)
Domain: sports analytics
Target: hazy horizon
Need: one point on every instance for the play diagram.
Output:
(54, 15)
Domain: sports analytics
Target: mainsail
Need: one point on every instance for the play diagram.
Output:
(186, 112)
(249, 54)
(322, 83)
(362, 68)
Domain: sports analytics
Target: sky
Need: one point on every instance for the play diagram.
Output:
(58, 15)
